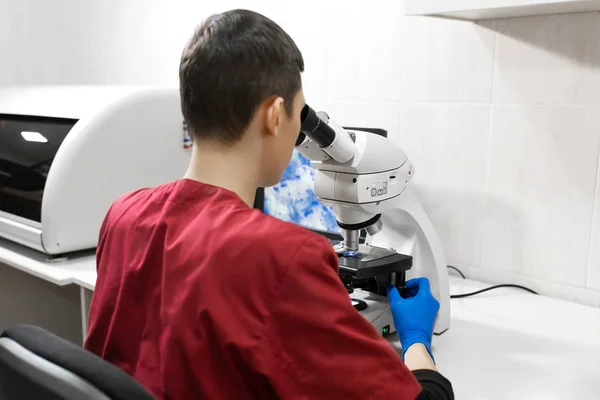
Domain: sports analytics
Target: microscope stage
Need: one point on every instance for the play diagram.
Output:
(371, 261)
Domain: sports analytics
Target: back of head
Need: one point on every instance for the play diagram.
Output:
(233, 62)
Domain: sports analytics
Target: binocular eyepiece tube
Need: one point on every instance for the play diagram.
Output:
(332, 139)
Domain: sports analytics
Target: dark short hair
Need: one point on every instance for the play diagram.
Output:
(233, 62)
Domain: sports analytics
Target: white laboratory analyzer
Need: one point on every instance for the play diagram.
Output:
(66, 153)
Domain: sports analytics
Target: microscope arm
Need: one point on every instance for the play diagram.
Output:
(408, 230)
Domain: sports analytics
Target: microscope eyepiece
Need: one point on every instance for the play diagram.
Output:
(315, 128)
(301, 139)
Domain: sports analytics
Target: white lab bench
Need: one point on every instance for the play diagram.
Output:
(510, 344)
(501, 344)
(79, 270)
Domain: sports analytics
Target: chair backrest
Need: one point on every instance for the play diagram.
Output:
(36, 364)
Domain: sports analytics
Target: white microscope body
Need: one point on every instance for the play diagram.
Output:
(365, 178)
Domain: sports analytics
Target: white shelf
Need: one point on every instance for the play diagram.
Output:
(489, 9)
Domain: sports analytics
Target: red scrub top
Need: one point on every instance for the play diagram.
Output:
(201, 297)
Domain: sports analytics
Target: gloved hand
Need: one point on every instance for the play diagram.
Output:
(414, 316)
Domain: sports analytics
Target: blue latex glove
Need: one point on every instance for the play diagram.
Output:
(414, 316)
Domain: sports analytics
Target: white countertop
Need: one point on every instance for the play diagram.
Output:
(78, 269)
(503, 344)
(510, 344)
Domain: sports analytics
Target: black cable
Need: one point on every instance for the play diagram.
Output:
(457, 270)
(460, 296)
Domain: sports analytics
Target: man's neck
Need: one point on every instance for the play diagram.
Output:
(230, 168)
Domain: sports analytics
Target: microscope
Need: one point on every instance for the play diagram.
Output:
(364, 178)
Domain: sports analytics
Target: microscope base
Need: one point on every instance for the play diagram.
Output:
(377, 310)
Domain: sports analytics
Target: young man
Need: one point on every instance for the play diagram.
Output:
(199, 296)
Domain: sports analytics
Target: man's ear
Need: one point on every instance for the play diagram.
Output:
(274, 109)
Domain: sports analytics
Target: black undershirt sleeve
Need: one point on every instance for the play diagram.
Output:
(434, 385)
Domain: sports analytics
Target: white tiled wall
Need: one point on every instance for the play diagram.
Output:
(501, 118)
(363, 60)
(593, 277)
(540, 76)
(542, 161)
(447, 62)
(448, 144)
(548, 60)
(540, 191)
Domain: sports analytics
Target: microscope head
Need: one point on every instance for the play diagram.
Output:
(359, 174)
